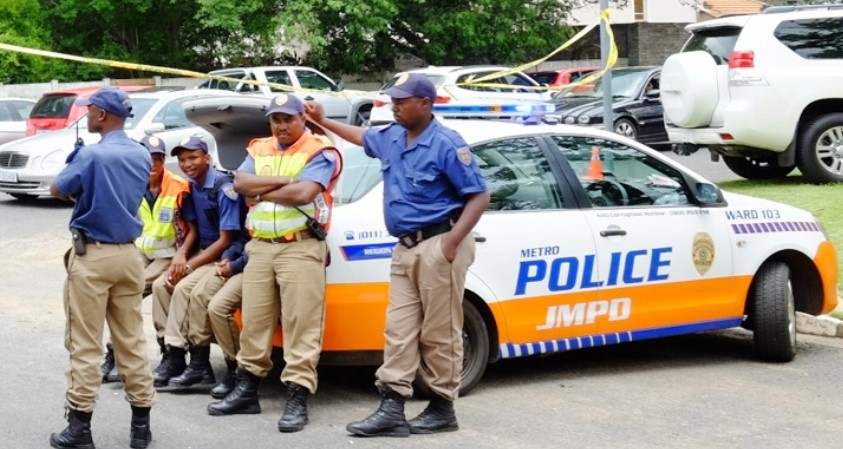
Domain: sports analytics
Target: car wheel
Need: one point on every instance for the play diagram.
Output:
(773, 313)
(626, 128)
(475, 341)
(24, 198)
(362, 116)
(821, 149)
(749, 168)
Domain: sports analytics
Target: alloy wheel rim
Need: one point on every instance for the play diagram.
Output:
(829, 150)
(625, 129)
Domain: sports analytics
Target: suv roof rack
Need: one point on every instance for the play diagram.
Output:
(785, 9)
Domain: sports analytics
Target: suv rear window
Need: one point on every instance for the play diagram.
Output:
(718, 42)
(813, 38)
(53, 106)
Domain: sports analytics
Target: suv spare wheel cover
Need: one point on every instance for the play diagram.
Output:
(689, 89)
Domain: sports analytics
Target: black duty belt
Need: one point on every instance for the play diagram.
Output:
(411, 239)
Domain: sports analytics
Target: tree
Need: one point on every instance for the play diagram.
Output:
(20, 24)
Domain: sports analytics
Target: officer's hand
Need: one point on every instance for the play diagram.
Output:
(178, 266)
(224, 269)
(449, 250)
(315, 111)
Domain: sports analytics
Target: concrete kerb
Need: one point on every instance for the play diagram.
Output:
(823, 325)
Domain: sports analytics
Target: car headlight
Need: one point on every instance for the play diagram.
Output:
(584, 119)
(53, 160)
(569, 120)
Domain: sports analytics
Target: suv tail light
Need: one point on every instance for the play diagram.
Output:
(379, 103)
(742, 59)
(442, 99)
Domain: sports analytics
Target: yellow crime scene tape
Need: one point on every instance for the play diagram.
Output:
(478, 82)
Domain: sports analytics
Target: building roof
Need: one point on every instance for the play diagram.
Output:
(722, 8)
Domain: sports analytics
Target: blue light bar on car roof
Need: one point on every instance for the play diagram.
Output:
(493, 110)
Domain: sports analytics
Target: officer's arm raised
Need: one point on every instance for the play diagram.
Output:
(349, 133)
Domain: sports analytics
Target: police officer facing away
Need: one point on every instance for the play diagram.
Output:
(104, 271)
(434, 194)
(293, 168)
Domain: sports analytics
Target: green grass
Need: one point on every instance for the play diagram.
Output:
(824, 201)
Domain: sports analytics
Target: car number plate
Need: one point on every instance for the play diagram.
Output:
(8, 176)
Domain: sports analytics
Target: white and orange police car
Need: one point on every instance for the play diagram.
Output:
(590, 239)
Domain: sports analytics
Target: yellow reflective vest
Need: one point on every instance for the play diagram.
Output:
(272, 220)
(160, 233)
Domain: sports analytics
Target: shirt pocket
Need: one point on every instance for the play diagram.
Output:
(421, 185)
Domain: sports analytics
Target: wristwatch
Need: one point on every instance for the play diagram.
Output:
(188, 269)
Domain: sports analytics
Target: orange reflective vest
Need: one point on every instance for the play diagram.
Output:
(272, 220)
(160, 224)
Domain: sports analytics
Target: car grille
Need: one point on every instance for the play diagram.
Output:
(12, 159)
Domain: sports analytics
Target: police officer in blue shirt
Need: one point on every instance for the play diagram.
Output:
(434, 194)
(104, 270)
(216, 209)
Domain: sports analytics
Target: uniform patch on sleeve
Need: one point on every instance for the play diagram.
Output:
(464, 153)
(228, 189)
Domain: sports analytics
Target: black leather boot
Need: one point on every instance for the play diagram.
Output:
(172, 366)
(295, 409)
(140, 434)
(387, 421)
(243, 399)
(227, 383)
(77, 434)
(199, 371)
(437, 417)
(108, 365)
(163, 354)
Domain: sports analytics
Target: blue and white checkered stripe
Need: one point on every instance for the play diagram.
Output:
(775, 226)
(511, 350)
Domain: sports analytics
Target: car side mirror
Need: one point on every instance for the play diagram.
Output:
(654, 94)
(153, 128)
(707, 195)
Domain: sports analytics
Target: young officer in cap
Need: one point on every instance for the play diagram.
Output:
(104, 271)
(291, 168)
(166, 237)
(216, 208)
(434, 194)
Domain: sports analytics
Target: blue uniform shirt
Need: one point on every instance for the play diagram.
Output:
(115, 171)
(212, 218)
(426, 182)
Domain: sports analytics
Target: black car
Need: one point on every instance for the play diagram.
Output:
(638, 112)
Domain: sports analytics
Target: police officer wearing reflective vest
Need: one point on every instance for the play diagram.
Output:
(434, 194)
(216, 209)
(107, 181)
(291, 175)
(163, 230)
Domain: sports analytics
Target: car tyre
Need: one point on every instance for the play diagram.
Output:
(475, 335)
(626, 128)
(821, 149)
(24, 198)
(773, 313)
(749, 168)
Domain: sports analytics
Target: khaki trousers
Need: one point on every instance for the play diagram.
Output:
(284, 280)
(105, 285)
(153, 269)
(424, 319)
(169, 310)
(212, 304)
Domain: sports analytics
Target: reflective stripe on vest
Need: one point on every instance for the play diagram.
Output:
(271, 220)
(158, 239)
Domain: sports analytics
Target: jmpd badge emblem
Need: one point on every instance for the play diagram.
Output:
(464, 154)
(703, 252)
(402, 79)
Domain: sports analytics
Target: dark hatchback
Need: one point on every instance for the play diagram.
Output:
(637, 107)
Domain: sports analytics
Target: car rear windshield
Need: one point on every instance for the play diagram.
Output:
(718, 42)
(53, 106)
(544, 77)
(813, 38)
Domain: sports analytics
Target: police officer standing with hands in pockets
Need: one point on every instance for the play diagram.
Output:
(104, 270)
(434, 194)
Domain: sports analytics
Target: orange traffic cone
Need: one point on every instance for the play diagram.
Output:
(595, 167)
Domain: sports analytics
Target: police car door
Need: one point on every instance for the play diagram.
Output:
(535, 251)
(665, 264)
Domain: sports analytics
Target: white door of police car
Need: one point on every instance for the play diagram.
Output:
(665, 265)
(533, 253)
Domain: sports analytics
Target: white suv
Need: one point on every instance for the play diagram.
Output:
(764, 91)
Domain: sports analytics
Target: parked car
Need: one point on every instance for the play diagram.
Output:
(446, 79)
(590, 239)
(636, 106)
(55, 110)
(558, 78)
(762, 91)
(350, 106)
(13, 115)
(29, 165)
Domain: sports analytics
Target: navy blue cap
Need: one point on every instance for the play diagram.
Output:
(285, 104)
(111, 100)
(412, 85)
(154, 145)
(190, 143)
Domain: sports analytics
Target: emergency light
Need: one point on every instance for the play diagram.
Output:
(494, 110)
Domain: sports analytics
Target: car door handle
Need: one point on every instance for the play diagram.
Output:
(612, 232)
(478, 238)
